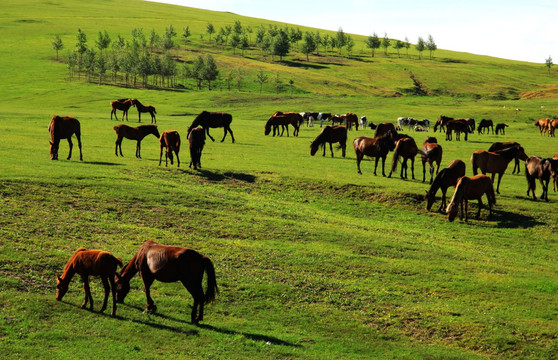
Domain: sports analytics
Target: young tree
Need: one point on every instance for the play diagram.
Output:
(234, 42)
(196, 71)
(81, 48)
(168, 38)
(420, 46)
(89, 61)
(102, 42)
(317, 41)
(326, 41)
(407, 44)
(398, 46)
(431, 45)
(385, 43)
(549, 63)
(341, 39)
(154, 40)
(295, 35)
(349, 43)
(244, 44)
(281, 45)
(210, 70)
(291, 83)
(308, 44)
(237, 28)
(373, 43)
(71, 62)
(210, 30)
(186, 34)
(57, 45)
(261, 78)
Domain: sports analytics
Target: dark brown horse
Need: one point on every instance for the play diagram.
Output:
(350, 119)
(208, 120)
(501, 128)
(555, 179)
(144, 109)
(496, 162)
(485, 124)
(170, 140)
(384, 128)
(377, 147)
(446, 177)
(170, 264)
(470, 189)
(283, 119)
(196, 141)
(63, 127)
(458, 126)
(336, 134)
(504, 145)
(431, 152)
(542, 169)
(133, 133)
(441, 123)
(90, 263)
(121, 104)
(407, 149)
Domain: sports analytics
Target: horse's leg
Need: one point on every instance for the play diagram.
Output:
(71, 145)
(177, 158)
(443, 204)
(330, 148)
(225, 134)
(107, 290)
(230, 131)
(424, 170)
(207, 131)
(161, 155)
(499, 179)
(113, 290)
(545, 189)
(138, 148)
(153, 117)
(87, 291)
(147, 282)
(383, 166)
(412, 168)
(78, 136)
(480, 206)
(359, 157)
(139, 115)
(197, 293)
(344, 148)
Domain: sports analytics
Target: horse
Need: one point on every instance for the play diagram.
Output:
(283, 119)
(407, 149)
(471, 124)
(555, 179)
(121, 104)
(144, 108)
(441, 122)
(350, 119)
(196, 141)
(384, 128)
(171, 141)
(542, 124)
(133, 133)
(170, 264)
(496, 162)
(444, 179)
(471, 188)
(459, 126)
(501, 128)
(485, 124)
(377, 147)
(330, 135)
(431, 152)
(542, 169)
(63, 127)
(504, 145)
(552, 125)
(208, 120)
(95, 263)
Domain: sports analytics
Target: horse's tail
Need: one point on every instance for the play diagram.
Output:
(395, 159)
(490, 194)
(474, 160)
(212, 289)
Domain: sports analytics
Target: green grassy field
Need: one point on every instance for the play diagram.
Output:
(313, 261)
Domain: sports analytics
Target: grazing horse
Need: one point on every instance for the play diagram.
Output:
(133, 133)
(377, 147)
(458, 126)
(504, 145)
(350, 119)
(485, 124)
(441, 122)
(171, 141)
(208, 120)
(501, 128)
(63, 127)
(431, 152)
(446, 177)
(470, 189)
(336, 134)
(170, 264)
(552, 125)
(145, 108)
(542, 169)
(542, 124)
(496, 162)
(384, 128)
(407, 149)
(121, 104)
(196, 141)
(95, 263)
(283, 119)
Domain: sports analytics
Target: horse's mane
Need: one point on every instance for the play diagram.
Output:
(458, 193)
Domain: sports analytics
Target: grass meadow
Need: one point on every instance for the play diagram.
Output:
(313, 260)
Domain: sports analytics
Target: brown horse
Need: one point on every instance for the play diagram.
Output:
(485, 124)
(458, 126)
(552, 125)
(384, 128)
(350, 119)
(377, 147)
(504, 145)
(171, 141)
(336, 134)
(496, 162)
(208, 120)
(121, 104)
(133, 133)
(441, 123)
(143, 109)
(470, 189)
(407, 149)
(446, 177)
(196, 141)
(431, 152)
(95, 263)
(542, 169)
(542, 125)
(283, 119)
(63, 127)
(273, 123)
(170, 264)
(501, 128)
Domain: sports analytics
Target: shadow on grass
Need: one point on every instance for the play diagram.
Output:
(256, 337)
(213, 176)
(510, 220)
(104, 163)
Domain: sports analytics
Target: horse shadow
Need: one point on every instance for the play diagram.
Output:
(213, 176)
(255, 337)
(510, 220)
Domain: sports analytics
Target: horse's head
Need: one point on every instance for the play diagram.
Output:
(54, 150)
(133, 102)
(429, 197)
(122, 288)
(521, 153)
(452, 211)
(268, 127)
(314, 147)
(155, 131)
(61, 288)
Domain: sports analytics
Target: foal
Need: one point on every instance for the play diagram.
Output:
(144, 108)
(196, 140)
(133, 133)
(171, 141)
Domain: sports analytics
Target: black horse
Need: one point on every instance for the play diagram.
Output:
(208, 120)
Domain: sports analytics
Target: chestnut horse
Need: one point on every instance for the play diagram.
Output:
(485, 124)
(208, 120)
(196, 141)
(441, 122)
(542, 124)
(377, 147)
(431, 152)
(144, 108)
(170, 264)
(496, 162)
(542, 169)
(121, 104)
(350, 119)
(446, 177)
(471, 188)
(283, 119)
(95, 263)
(458, 126)
(171, 141)
(63, 127)
(336, 134)
(504, 145)
(407, 149)
(133, 133)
